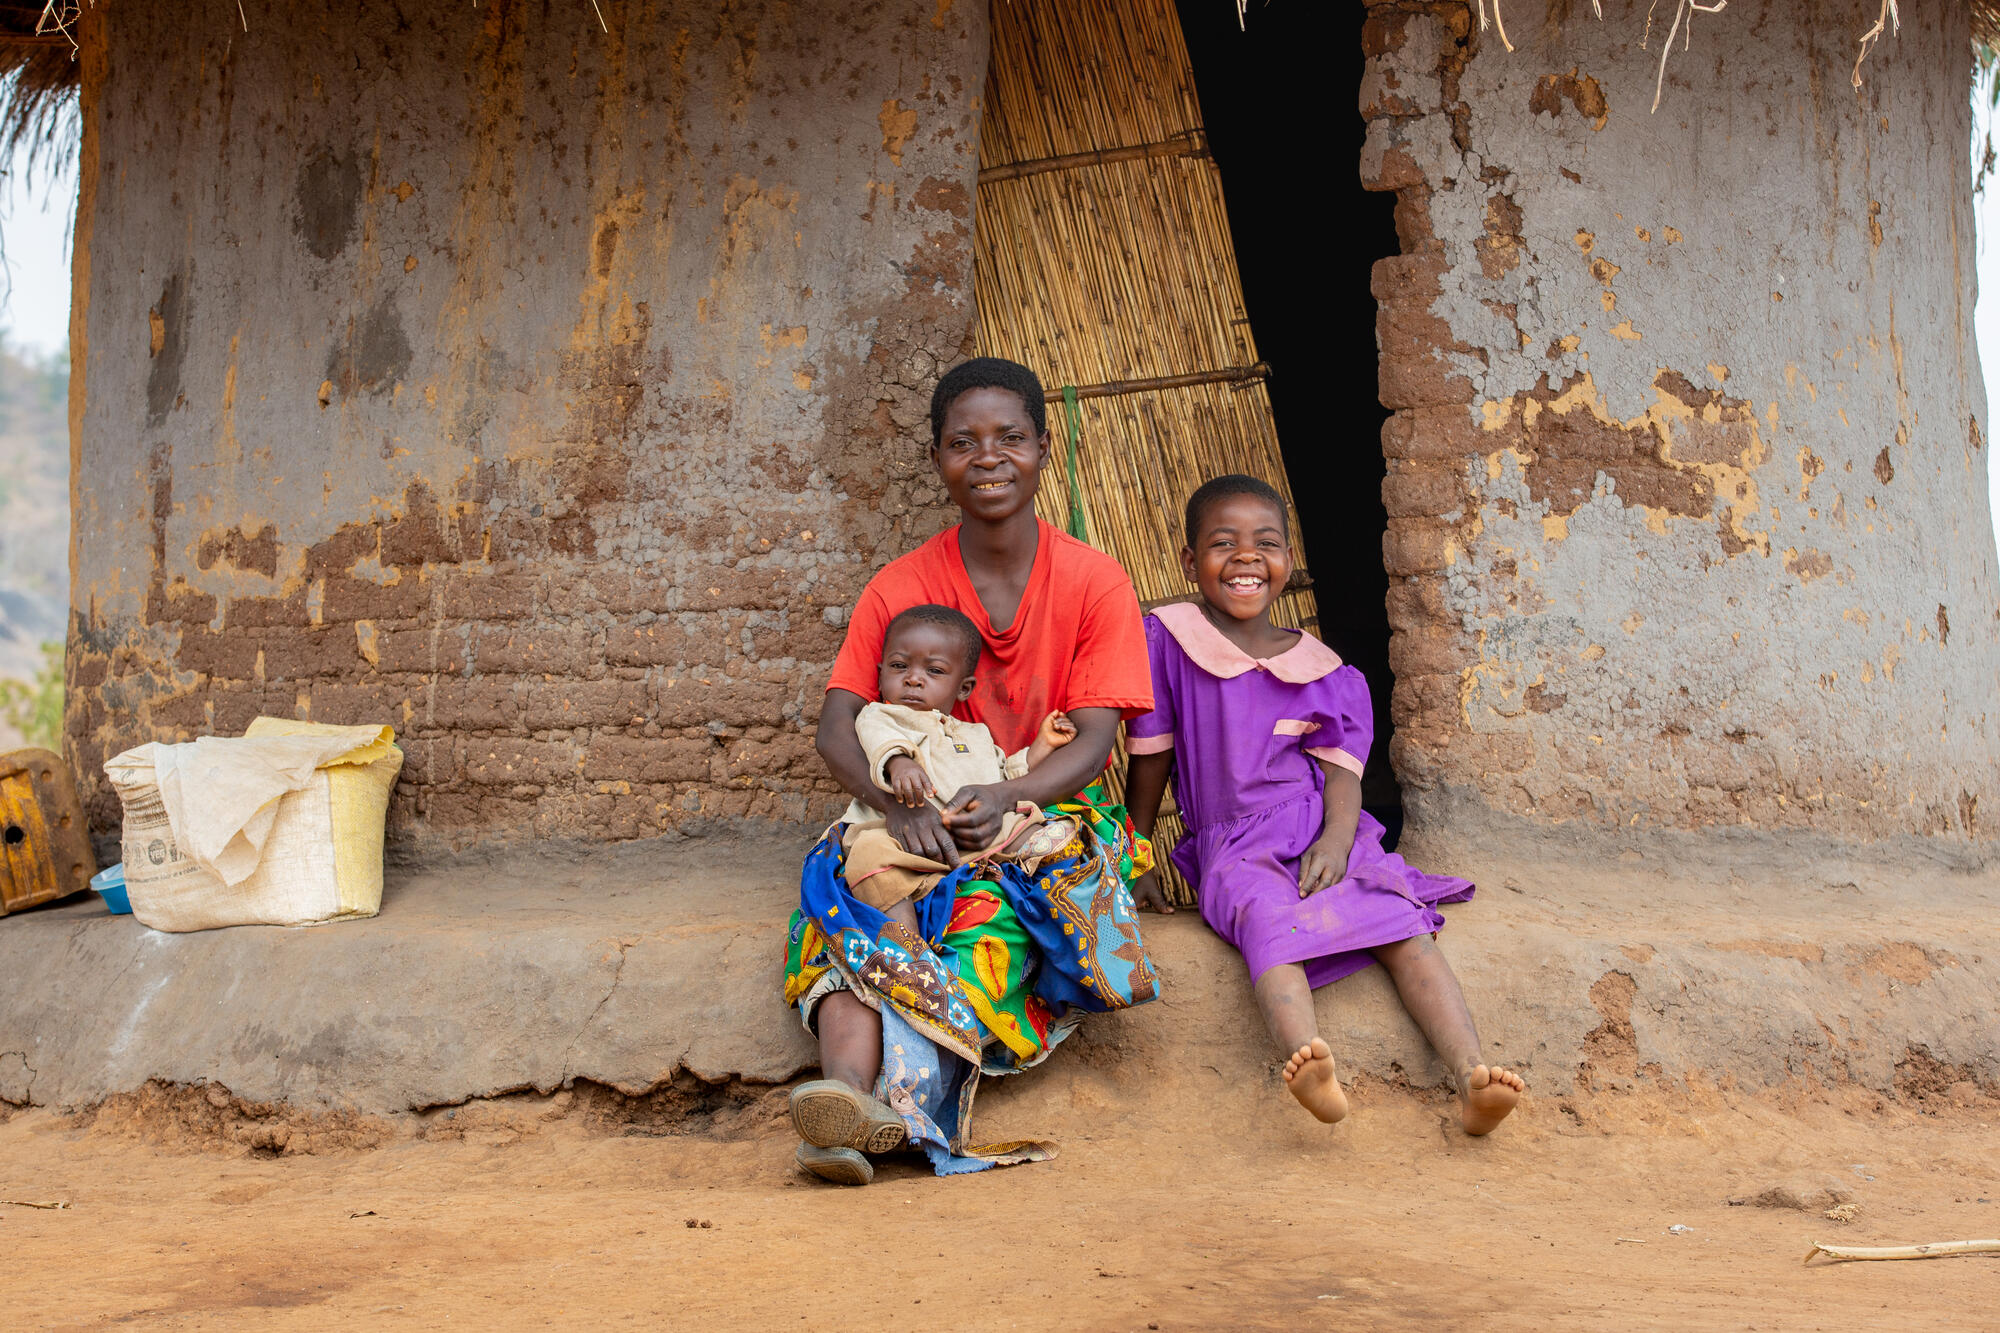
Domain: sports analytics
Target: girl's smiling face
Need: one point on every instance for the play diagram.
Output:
(989, 454)
(1240, 558)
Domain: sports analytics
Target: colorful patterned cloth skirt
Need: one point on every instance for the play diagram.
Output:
(1003, 966)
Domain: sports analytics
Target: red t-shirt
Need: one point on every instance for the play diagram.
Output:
(1076, 642)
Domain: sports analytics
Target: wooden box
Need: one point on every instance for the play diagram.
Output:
(44, 846)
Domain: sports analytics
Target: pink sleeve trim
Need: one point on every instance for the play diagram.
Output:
(1149, 744)
(1336, 756)
(1293, 726)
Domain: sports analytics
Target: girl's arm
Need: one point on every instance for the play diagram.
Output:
(1145, 784)
(974, 812)
(1325, 862)
(917, 830)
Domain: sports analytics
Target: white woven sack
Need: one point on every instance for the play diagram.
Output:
(284, 853)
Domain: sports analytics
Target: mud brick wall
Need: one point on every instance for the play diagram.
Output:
(545, 392)
(1687, 468)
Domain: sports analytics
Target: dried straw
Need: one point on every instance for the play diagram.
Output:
(1888, 16)
(1985, 29)
(1684, 13)
(1113, 271)
(38, 81)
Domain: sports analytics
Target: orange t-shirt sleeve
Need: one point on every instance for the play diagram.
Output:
(861, 651)
(1111, 668)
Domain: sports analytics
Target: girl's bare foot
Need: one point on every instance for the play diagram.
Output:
(1309, 1074)
(1490, 1093)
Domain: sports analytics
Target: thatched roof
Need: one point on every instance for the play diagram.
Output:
(1985, 25)
(38, 85)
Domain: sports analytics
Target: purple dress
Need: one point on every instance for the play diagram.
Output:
(1246, 732)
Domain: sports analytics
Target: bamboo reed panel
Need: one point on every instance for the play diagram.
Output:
(1119, 267)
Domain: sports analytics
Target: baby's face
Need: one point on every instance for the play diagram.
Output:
(923, 666)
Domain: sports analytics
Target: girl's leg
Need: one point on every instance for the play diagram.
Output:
(1287, 1003)
(1430, 992)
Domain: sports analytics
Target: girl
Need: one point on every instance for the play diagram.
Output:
(1272, 733)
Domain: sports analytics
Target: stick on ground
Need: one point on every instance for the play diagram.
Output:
(1934, 1250)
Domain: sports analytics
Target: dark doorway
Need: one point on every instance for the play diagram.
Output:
(1278, 101)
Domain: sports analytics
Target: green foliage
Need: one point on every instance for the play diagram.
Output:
(35, 708)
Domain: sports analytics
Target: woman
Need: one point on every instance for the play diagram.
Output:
(1000, 967)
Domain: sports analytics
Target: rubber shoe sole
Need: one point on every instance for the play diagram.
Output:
(829, 1114)
(842, 1166)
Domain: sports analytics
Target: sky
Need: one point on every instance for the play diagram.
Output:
(34, 233)
(35, 221)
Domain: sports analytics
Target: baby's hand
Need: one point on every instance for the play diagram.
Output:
(908, 781)
(1057, 730)
(1323, 866)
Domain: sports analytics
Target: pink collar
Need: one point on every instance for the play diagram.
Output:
(1304, 662)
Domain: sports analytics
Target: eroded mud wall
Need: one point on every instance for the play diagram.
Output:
(1687, 471)
(544, 391)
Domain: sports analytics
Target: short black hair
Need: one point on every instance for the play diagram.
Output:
(945, 618)
(988, 372)
(1222, 488)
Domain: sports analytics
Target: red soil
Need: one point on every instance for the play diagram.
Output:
(531, 1211)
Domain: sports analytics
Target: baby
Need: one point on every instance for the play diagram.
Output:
(917, 751)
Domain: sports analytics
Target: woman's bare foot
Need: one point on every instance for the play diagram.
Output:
(1309, 1074)
(1490, 1093)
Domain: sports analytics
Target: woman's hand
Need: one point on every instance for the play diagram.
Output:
(1323, 865)
(1149, 896)
(908, 780)
(920, 832)
(973, 814)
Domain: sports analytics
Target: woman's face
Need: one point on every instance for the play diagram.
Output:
(990, 455)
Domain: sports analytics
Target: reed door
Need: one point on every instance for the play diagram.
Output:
(1105, 264)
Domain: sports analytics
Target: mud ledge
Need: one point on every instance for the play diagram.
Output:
(210, 1118)
(1455, 825)
(642, 984)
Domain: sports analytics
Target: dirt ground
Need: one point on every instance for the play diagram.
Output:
(586, 1208)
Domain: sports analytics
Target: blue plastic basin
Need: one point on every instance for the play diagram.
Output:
(110, 886)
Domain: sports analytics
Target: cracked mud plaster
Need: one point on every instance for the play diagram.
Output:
(575, 507)
(617, 974)
(17, 1078)
(1669, 553)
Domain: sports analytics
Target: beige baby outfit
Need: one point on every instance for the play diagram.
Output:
(953, 753)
